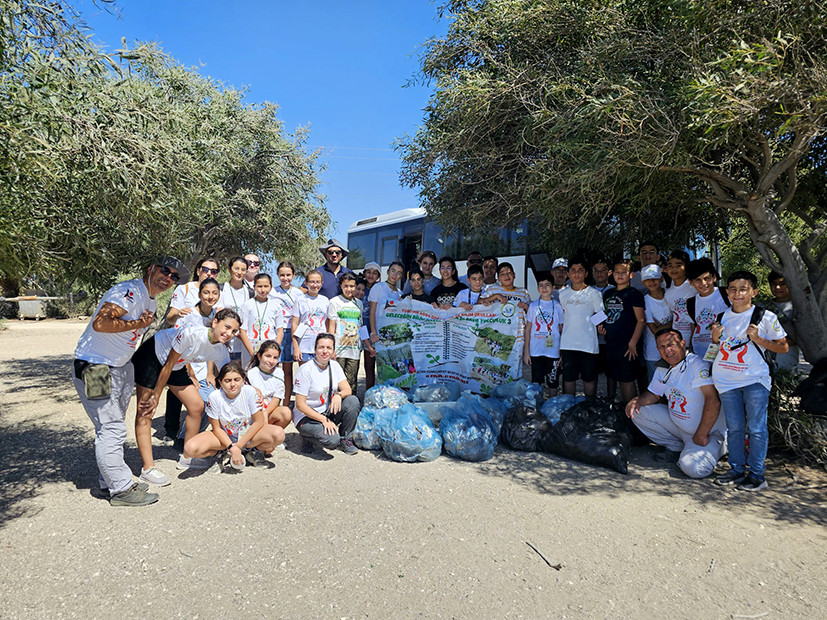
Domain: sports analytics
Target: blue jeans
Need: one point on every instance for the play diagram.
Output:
(745, 410)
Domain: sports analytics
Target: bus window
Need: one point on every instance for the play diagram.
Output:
(361, 248)
(390, 250)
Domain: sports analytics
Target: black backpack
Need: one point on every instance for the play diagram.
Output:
(690, 302)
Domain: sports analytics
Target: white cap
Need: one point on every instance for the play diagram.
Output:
(650, 272)
(373, 265)
(560, 262)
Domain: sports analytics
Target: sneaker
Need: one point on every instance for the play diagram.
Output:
(347, 446)
(254, 457)
(154, 476)
(141, 486)
(731, 477)
(751, 483)
(183, 463)
(667, 456)
(168, 441)
(133, 496)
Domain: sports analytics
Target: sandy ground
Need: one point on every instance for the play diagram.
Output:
(364, 537)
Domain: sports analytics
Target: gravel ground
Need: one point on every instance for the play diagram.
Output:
(364, 537)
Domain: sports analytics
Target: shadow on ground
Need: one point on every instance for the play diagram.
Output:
(47, 378)
(546, 473)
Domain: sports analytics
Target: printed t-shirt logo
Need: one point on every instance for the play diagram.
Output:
(129, 296)
(730, 344)
(704, 319)
(680, 308)
(677, 402)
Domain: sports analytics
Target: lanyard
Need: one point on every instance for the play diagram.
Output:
(260, 319)
(681, 367)
(287, 292)
(232, 294)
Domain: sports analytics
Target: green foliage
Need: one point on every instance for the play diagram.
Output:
(791, 429)
(107, 162)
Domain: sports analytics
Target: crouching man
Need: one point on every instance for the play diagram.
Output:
(688, 425)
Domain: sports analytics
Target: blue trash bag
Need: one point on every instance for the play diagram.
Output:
(381, 396)
(556, 405)
(467, 434)
(519, 392)
(436, 393)
(365, 435)
(494, 407)
(410, 436)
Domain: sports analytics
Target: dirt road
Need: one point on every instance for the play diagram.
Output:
(364, 537)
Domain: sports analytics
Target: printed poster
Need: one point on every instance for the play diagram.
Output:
(419, 345)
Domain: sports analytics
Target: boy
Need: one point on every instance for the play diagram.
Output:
(578, 341)
(782, 306)
(469, 297)
(679, 291)
(742, 378)
(658, 316)
(544, 324)
(625, 320)
(416, 281)
(601, 273)
(709, 302)
(648, 254)
(560, 273)
(489, 269)
(344, 318)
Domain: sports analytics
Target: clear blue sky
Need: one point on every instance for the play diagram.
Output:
(338, 67)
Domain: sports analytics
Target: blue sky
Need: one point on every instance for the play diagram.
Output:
(339, 68)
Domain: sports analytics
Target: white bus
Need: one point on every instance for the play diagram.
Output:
(401, 235)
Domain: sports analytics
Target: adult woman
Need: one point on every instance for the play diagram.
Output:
(445, 291)
(326, 410)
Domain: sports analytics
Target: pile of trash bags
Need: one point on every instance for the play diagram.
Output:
(471, 427)
(556, 405)
(381, 396)
(436, 393)
(519, 392)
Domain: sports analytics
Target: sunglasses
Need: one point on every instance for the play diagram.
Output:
(475, 261)
(334, 252)
(252, 263)
(213, 272)
(169, 273)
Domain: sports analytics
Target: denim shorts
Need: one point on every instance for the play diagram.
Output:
(287, 347)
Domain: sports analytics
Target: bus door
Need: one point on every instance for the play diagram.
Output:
(411, 247)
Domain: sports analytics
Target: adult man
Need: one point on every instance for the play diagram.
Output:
(334, 252)
(689, 425)
(104, 376)
(648, 254)
(253, 267)
(474, 258)
(560, 274)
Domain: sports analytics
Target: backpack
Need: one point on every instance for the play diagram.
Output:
(690, 302)
(756, 318)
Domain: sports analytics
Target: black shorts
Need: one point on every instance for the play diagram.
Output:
(579, 365)
(544, 371)
(619, 367)
(601, 360)
(147, 368)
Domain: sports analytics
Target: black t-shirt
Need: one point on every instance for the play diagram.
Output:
(444, 295)
(620, 315)
(424, 297)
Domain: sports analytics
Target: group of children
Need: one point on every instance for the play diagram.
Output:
(574, 328)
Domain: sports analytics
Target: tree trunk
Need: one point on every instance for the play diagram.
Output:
(781, 254)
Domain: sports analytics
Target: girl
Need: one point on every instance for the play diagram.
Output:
(445, 291)
(310, 312)
(326, 410)
(371, 275)
(287, 295)
(383, 292)
(160, 361)
(416, 285)
(201, 373)
(185, 296)
(261, 318)
(238, 423)
(426, 262)
(265, 375)
(234, 295)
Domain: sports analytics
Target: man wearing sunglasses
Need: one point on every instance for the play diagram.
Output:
(104, 376)
(334, 252)
(474, 258)
(253, 267)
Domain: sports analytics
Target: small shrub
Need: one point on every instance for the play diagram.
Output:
(791, 429)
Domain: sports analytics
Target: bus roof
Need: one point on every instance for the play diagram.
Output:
(403, 215)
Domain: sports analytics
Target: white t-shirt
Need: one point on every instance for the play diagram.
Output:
(234, 415)
(314, 383)
(232, 298)
(579, 334)
(466, 296)
(545, 319)
(685, 399)
(287, 299)
(739, 363)
(271, 386)
(676, 296)
(348, 316)
(706, 310)
(199, 320)
(381, 293)
(192, 343)
(312, 311)
(185, 295)
(658, 312)
(261, 320)
(116, 349)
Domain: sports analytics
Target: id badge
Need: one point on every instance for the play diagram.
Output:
(711, 352)
(550, 341)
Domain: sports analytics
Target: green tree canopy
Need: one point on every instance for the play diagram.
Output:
(611, 121)
(106, 162)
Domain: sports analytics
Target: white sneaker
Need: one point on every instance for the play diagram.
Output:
(168, 441)
(193, 463)
(154, 476)
(183, 463)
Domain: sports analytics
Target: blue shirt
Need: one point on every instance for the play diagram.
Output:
(330, 281)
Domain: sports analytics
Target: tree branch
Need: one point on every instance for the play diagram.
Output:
(787, 198)
(801, 143)
(710, 176)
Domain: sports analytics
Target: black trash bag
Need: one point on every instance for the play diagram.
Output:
(813, 390)
(523, 428)
(591, 432)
